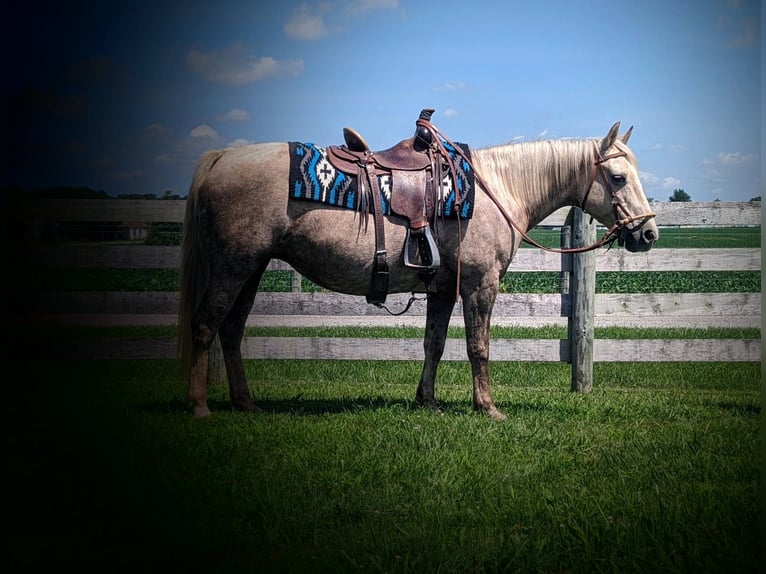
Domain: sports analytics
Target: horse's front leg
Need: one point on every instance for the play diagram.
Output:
(438, 313)
(477, 312)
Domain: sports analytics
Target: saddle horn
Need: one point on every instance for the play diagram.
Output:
(423, 136)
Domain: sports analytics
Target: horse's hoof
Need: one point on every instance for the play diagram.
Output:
(201, 412)
(496, 415)
(430, 405)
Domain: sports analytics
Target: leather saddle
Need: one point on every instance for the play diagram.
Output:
(415, 169)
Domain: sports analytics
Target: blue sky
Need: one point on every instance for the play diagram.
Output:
(124, 97)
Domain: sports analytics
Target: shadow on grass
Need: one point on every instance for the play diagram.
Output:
(299, 406)
(736, 408)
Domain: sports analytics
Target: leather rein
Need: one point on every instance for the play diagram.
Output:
(608, 238)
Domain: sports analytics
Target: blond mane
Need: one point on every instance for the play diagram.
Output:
(541, 176)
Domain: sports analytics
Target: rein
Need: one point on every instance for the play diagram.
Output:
(598, 168)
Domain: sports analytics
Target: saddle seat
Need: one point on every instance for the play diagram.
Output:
(403, 156)
(415, 171)
(413, 191)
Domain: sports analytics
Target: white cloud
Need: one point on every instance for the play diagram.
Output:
(734, 158)
(730, 159)
(451, 113)
(157, 133)
(672, 148)
(186, 151)
(239, 142)
(309, 20)
(203, 131)
(450, 87)
(306, 23)
(234, 115)
(356, 6)
(648, 178)
(670, 183)
(234, 67)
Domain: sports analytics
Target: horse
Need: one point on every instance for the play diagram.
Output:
(239, 216)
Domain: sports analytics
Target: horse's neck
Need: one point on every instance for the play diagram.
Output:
(537, 178)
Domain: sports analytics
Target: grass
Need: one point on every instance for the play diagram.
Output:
(496, 332)
(677, 237)
(656, 470)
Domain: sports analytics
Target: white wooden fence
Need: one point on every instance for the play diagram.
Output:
(312, 309)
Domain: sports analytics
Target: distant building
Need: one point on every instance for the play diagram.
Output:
(135, 230)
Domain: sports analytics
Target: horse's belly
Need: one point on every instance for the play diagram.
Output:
(329, 248)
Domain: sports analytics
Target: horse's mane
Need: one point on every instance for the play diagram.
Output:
(535, 173)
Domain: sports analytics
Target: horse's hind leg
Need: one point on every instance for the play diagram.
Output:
(231, 332)
(438, 313)
(197, 391)
(221, 295)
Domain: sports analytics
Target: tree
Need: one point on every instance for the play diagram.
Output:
(680, 195)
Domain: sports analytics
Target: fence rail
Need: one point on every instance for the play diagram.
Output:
(307, 309)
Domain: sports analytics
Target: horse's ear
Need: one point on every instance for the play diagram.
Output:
(626, 136)
(609, 139)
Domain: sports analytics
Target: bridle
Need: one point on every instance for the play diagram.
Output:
(611, 235)
(620, 221)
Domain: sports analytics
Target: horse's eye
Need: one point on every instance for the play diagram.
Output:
(618, 179)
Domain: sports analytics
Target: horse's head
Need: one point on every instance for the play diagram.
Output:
(615, 196)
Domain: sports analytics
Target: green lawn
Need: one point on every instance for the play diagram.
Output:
(656, 470)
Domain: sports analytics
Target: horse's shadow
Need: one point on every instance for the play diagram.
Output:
(300, 406)
(309, 407)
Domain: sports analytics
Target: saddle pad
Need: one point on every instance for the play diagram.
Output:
(313, 178)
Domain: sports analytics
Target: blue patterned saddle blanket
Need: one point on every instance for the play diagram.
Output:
(314, 178)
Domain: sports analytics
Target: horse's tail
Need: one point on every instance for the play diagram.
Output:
(195, 270)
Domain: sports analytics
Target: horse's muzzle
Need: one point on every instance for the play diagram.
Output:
(640, 237)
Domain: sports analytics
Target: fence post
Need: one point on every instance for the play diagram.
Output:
(582, 288)
(295, 281)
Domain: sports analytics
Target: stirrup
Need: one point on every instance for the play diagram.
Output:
(420, 250)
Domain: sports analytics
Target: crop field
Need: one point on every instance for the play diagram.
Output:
(105, 279)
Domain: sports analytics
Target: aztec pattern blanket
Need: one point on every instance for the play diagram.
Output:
(312, 177)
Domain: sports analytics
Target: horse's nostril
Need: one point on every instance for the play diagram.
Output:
(649, 235)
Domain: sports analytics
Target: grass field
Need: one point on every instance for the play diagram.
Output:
(656, 470)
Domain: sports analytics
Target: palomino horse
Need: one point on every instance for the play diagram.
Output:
(239, 217)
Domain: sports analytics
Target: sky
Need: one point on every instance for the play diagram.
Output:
(125, 97)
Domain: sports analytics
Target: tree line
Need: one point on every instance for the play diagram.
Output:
(75, 192)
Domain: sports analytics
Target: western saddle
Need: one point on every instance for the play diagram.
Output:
(416, 168)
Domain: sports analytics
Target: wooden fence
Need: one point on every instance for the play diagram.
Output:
(312, 309)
